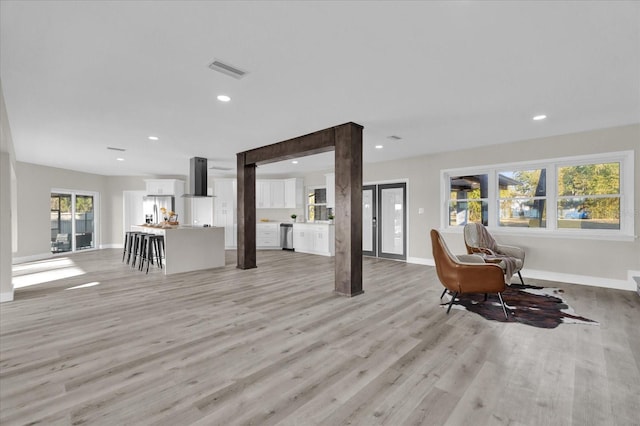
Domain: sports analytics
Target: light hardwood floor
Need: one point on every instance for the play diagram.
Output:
(274, 345)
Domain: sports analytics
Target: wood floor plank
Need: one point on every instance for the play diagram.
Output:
(275, 345)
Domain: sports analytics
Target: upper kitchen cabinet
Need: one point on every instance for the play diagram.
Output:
(263, 194)
(278, 193)
(330, 179)
(165, 187)
(293, 193)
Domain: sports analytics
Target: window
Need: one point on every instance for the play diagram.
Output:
(468, 200)
(585, 195)
(522, 198)
(317, 204)
(589, 196)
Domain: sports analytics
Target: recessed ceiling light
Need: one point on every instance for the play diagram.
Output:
(224, 98)
(539, 117)
(294, 162)
(120, 159)
(153, 138)
(379, 147)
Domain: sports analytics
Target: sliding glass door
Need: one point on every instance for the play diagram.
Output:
(73, 221)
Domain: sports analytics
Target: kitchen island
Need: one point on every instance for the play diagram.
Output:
(189, 248)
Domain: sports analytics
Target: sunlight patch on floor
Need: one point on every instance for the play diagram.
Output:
(91, 284)
(44, 271)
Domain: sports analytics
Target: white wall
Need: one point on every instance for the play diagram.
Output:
(605, 263)
(34, 192)
(595, 262)
(7, 203)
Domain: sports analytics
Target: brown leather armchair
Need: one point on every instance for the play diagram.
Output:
(465, 273)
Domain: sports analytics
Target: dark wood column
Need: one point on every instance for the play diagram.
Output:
(348, 209)
(246, 213)
(346, 140)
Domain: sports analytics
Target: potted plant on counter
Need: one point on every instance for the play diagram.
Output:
(293, 217)
(330, 217)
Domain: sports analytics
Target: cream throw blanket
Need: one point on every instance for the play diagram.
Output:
(487, 243)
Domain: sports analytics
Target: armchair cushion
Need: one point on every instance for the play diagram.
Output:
(478, 240)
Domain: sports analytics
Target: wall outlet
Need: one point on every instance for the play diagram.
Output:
(420, 210)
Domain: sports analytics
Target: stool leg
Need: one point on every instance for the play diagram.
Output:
(150, 242)
(160, 250)
(134, 250)
(143, 252)
(124, 247)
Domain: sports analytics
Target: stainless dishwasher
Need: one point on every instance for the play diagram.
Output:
(286, 236)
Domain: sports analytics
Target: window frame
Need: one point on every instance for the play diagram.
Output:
(627, 225)
(307, 204)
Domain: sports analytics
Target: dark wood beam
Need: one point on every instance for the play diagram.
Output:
(348, 209)
(246, 213)
(346, 139)
(313, 143)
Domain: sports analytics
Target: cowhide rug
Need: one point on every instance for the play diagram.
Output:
(537, 306)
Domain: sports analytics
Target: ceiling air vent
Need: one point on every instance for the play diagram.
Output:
(227, 69)
(394, 137)
(116, 149)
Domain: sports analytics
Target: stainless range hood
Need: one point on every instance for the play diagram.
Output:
(197, 178)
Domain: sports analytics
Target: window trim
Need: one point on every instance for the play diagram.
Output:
(627, 225)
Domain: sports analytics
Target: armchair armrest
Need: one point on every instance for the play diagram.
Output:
(475, 278)
(470, 258)
(512, 251)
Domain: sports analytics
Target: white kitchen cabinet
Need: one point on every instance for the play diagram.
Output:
(165, 187)
(270, 194)
(268, 235)
(330, 179)
(263, 194)
(225, 212)
(314, 238)
(276, 187)
(293, 193)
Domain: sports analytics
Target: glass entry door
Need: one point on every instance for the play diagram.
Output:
(384, 220)
(369, 209)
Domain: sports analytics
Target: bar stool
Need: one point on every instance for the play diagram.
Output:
(129, 236)
(159, 248)
(137, 250)
(152, 250)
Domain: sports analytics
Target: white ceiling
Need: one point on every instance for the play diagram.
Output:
(81, 76)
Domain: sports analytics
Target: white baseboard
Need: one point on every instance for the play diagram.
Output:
(421, 261)
(31, 258)
(634, 277)
(629, 284)
(7, 296)
(579, 279)
(111, 246)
